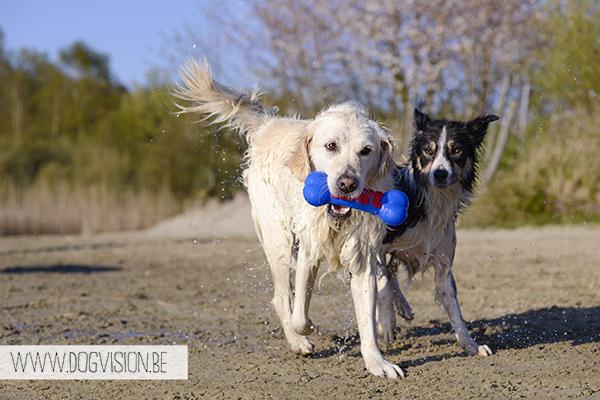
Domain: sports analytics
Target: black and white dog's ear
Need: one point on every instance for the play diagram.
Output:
(484, 120)
(477, 127)
(421, 121)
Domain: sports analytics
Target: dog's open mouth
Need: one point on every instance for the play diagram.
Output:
(339, 212)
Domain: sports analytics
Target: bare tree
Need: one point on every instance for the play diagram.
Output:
(443, 55)
(457, 58)
(500, 144)
(219, 31)
(303, 40)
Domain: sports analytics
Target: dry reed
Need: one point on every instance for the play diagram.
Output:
(45, 208)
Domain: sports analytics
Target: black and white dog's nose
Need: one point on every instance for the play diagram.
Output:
(347, 184)
(440, 175)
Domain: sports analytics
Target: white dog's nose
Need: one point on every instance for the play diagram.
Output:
(347, 184)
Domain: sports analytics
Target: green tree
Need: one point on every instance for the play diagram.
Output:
(569, 63)
(5, 73)
(93, 92)
(28, 103)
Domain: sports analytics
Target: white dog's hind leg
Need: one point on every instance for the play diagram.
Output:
(364, 292)
(300, 344)
(305, 280)
(386, 314)
(402, 306)
(390, 300)
(277, 242)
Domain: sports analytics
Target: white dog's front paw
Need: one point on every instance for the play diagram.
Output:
(384, 369)
(301, 345)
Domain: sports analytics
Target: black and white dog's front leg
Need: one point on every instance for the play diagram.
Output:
(446, 293)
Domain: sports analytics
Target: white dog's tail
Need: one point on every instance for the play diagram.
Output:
(209, 97)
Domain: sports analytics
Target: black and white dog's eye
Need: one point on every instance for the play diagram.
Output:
(331, 146)
(455, 151)
(366, 151)
(428, 151)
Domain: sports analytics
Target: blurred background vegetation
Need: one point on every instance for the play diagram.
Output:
(79, 152)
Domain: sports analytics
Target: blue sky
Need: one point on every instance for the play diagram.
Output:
(130, 32)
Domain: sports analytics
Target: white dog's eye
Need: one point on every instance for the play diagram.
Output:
(331, 146)
(365, 152)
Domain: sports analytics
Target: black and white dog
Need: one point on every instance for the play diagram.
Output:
(439, 179)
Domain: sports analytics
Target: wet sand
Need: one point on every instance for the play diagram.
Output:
(201, 279)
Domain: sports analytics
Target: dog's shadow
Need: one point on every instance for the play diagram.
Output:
(538, 327)
(512, 331)
(59, 269)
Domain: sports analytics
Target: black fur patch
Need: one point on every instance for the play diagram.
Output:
(461, 148)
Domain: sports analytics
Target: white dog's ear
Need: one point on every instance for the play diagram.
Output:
(300, 163)
(387, 151)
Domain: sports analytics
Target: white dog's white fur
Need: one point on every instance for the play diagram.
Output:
(341, 141)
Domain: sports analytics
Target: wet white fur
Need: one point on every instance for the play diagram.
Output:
(282, 151)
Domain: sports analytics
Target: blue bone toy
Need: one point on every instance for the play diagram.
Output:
(390, 206)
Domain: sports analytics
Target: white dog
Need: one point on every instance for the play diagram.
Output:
(355, 153)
